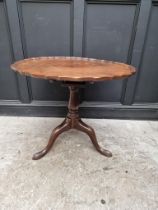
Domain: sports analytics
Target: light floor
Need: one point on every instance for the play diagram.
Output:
(73, 175)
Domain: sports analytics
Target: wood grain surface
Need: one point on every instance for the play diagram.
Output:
(72, 68)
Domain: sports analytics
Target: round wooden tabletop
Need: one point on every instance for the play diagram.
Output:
(72, 69)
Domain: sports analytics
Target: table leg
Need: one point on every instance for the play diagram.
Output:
(90, 132)
(64, 126)
(72, 121)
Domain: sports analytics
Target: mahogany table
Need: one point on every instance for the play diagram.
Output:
(74, 72)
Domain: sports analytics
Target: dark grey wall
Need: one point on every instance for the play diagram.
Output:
(120, 30)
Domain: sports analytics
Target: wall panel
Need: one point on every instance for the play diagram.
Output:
(147, 86)
(108, 34)
(46, 29)
(8, 80)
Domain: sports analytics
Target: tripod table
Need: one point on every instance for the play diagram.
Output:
(74, 72)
